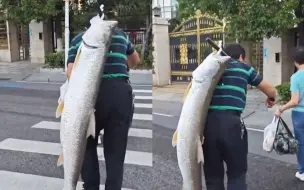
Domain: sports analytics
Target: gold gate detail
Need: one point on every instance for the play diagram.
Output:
(188, 47)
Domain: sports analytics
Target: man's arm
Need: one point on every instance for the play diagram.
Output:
(71, 57)
(133, 57)
(257, 80)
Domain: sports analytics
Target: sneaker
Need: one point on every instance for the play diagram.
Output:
(300, 176)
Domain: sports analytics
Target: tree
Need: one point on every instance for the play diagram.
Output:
(251, 20)
(24, 11)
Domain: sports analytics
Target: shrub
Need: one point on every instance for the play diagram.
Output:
(148, 58)
(55, 60)
(284, 92)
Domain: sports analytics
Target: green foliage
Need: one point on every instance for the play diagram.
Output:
(55, 60)
(24, 11)
(250, 20)
(148, 58)
(284, 92)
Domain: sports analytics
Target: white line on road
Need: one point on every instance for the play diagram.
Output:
(138, 105)
(132, 157)
(161, 114)
(21, 181)
(143, 97)
(142, 91)
(134, 132)
(254, 129)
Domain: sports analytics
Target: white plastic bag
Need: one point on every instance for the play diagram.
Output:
(269, 134)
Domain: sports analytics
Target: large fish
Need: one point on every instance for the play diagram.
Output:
(77, 118)
(188, 136)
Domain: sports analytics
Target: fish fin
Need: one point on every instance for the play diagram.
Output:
(187, 91)
(60, 160)
(92, 123)
(59, 109)
(174, 138)
(200, 154)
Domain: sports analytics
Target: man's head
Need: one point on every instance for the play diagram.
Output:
(235, 51)
(298, 56)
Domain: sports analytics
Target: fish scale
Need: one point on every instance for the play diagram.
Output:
(187, 137)
(80, 98)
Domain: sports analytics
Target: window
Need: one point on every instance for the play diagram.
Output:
(3, 35)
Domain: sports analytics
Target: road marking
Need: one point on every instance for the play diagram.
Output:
(143, 97)
(161, 114)
(145, 117)
(36, 82)
(21, 181)
(138, 105)
(132, 157)
(257, 130)
(134, 132)
(142, 91)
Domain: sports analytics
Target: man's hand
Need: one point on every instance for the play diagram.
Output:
(270, 102)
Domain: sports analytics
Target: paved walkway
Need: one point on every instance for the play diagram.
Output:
(17, 70)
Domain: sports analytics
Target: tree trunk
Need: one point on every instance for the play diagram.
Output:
(58, 32)
(145, 43)
(301, 33)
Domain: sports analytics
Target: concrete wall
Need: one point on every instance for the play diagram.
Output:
(161, 53)
(278, 72)
(40, 47)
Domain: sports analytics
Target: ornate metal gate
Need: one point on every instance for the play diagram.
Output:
(188, 47)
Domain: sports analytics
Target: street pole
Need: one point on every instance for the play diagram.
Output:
(67, 33)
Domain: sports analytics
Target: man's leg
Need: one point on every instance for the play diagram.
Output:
(235, 150)
(298, 125)
(213, 165)
(90, 167)
(116, 137)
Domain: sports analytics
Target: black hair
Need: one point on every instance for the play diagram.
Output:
(235, 51)
(298, 55)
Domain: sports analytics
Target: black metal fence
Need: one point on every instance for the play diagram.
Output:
(137, 37)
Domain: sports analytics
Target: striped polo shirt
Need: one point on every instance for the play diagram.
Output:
(230, 92)
(116, 64)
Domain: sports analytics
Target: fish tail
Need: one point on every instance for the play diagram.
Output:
(187, 91)
(60, 160)
(174, 138)
(59, 109)
(92, 125)
(200, 153)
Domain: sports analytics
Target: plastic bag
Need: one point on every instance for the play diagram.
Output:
(285, 142)
(270, 134)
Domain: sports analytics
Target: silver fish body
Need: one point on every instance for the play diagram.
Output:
(80, 98)
(192, 119)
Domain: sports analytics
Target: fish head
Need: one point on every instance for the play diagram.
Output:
(99, 33)
(210, 67)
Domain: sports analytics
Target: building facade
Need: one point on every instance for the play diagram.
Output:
(168, 8)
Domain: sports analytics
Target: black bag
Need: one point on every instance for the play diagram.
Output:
(285, 142)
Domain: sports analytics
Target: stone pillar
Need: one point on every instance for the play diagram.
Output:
(40, 41)
(278, 72)
(272, 70)
(161, 53)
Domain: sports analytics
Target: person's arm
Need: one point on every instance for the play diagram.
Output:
(257, 80)
(133, 57)
(294, 89)
(71, 57)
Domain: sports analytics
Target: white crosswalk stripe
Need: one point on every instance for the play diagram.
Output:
(14, 180)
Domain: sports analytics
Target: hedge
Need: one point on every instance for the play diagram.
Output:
(284, 92)
(55, 60)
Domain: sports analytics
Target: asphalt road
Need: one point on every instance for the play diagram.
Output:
(266, 171)
(29, 139)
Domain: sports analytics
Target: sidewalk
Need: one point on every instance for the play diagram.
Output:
(16, 71)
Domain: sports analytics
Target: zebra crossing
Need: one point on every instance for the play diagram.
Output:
(41, 156)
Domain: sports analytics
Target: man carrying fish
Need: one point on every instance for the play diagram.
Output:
(114, 111)
(225, 135)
